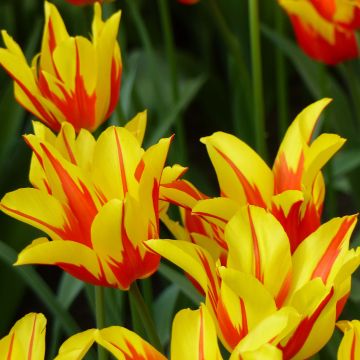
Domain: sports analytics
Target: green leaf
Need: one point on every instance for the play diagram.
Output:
(187, 93)
(181, 282)
(40, 288)
(163, 309)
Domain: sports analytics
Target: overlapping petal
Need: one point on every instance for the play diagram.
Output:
(62, 83)
(349, 348)
(101, 208)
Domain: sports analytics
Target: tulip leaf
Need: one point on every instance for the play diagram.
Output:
(187, 93)
(181, 281)
(40, 288)
(346, 161)
(164, 308)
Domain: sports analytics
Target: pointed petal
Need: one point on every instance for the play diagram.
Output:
(137, 126)
(243, 176)
(349, 348)
(125, 344)
(289, 163)
(26, 339)
(76, 347)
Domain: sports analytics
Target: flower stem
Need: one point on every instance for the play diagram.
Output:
(281, 82)
(171, 58)
(143, 311)
(258, 100)
(100, 317)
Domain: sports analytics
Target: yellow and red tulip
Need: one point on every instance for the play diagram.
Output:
(314, 281)
(73, 79)
(349, 348)
(325, 29)
(293, 189)
(101, 208)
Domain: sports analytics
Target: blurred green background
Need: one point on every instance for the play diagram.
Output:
(201, 89)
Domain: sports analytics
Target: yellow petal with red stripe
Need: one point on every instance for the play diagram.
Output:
(217, 211)
(26, 339)
(322, 253)
(349, 348)
(126, 345)
(244, 302)
(264, 352)
(76, 347)
(85, 265)
(40, 210)
(115, 176)
(316, 304)
(271, 330)
(194, 336)
(243, 176)
(289, 163)
(257, 244)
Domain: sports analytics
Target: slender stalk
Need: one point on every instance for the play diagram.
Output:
(100, 317)
(143, 311)
(146, 41)
(281, 74)
(242, 80)
(258, 99)
(170, 54)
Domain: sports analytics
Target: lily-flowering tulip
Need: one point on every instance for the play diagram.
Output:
(293, 190)
(324, 29)
(96, 200)
(313, 282)
(349, 348)
(73, 79)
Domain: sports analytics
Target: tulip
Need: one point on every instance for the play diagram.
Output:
(313, 282)
(349, 348)
(325, 30)
(73, 79)
(293, 190)
(96, 200)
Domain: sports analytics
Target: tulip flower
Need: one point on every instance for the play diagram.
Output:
(73, 79)
(325, 30)
(96, 200)
(293, 190)
(349, 348)
(313, 282)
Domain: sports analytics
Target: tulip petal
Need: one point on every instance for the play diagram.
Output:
(126, 345)
(257, 243)
(349, 348)
(243, 176)
(76, 347)
(26, 339)
(199, 341)
(137, 126)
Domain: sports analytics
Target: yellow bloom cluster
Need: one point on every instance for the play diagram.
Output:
(274, 277)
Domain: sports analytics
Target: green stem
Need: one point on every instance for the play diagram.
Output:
(241, 81)
(258, 101)
(281, 82)
(100, 316)
(146, 41)
(145, 315)
(170, 54)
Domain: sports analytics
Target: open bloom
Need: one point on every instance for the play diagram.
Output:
(73, 79)
(96, 200)
(349, 348)
(325, 29)
(308, 290)
(293, 190)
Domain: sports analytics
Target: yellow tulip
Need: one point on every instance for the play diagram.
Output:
(96, 200)
(73, 79)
